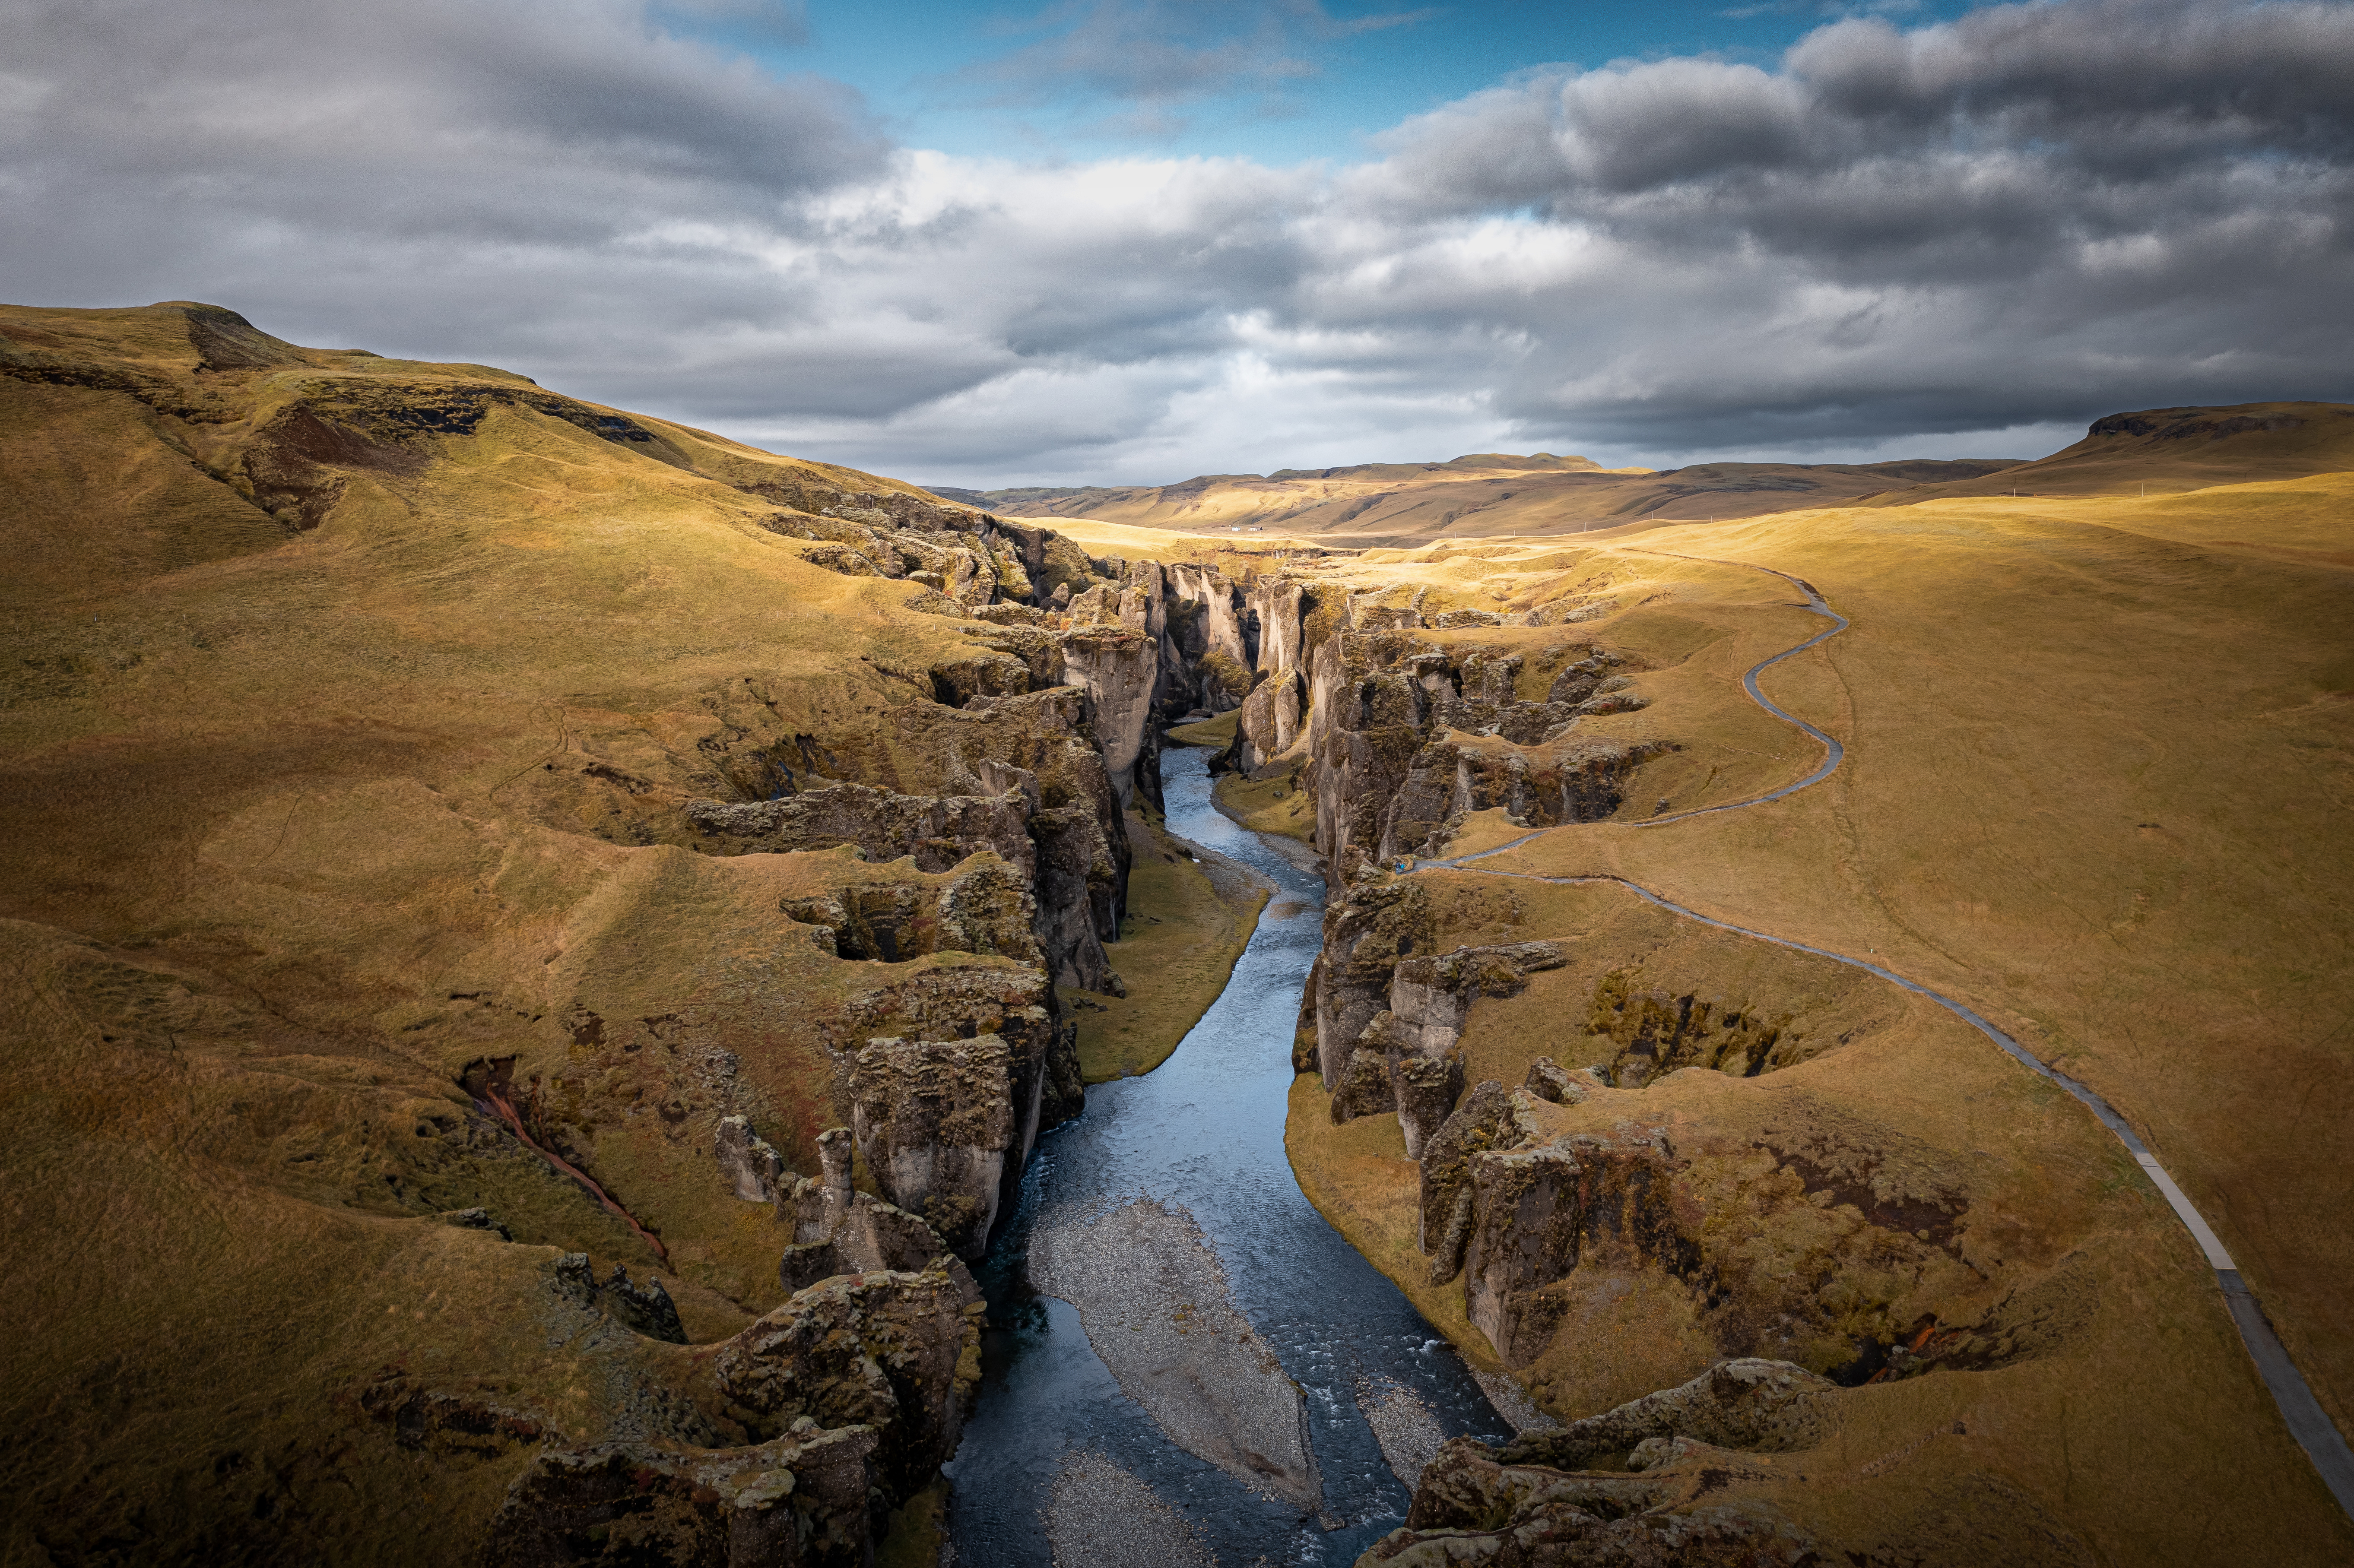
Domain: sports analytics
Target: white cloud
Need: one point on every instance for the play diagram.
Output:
(1941, 239)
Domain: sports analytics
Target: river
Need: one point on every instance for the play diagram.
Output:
(1204, 1131)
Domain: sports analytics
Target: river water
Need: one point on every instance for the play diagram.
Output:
(1204, 1131)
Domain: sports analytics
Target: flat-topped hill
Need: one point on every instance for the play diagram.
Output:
(2167, 452)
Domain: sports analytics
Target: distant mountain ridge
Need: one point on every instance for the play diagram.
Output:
(1479, 493)
(1393, 472)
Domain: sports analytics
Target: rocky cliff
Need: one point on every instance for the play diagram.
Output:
(788, 1443)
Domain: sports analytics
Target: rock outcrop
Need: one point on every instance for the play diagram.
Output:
(1534, 1215)
(800, 1499)
(1763, 1406)
(1119, 668)
(945, 1127)
(987, 908)
(1628, 1489)
(1021, 778)
(1404, 1058)
(1408, 736)
(754, 1169)
(644, 1309)
(1425, 1090)
(1277, 606)
(971, 557)
(833, 1409)
(838, 1230)
(1537, 1209)
(963, 1003)
(1657, 1032)
(1271, 721)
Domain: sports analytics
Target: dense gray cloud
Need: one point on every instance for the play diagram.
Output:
(1958, 238)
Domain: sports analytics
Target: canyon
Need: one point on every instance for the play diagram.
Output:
(558, 957)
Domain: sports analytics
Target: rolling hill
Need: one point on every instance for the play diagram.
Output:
(1481, 495)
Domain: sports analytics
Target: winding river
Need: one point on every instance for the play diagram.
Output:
(1204, 1131)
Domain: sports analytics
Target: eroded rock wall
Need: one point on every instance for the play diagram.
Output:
(1408, 736)
(945, 1127)
(1119, 668)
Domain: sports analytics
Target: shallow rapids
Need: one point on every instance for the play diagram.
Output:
(1204, 1133)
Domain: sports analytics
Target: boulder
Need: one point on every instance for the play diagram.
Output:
(1558, 1084)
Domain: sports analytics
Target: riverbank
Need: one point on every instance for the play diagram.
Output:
(1191, 913)
(1276, 807)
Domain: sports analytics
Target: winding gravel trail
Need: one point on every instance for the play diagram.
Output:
(2311, 1426)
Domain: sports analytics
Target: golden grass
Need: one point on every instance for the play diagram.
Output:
(2097, 752)
(1275, 805)
(2091, 785)
(2150, 1457)
(1188, 921)
(281, 861)
(1213, 732)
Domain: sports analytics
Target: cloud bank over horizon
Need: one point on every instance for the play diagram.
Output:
(1959, 239)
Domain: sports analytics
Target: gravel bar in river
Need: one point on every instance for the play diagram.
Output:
(1154, 1303)
(1099, 1516)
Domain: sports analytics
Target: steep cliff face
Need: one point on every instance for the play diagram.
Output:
(1409, 736)
(1021, 776)
(1270, 721)
(946, 1126)
(1275, 607)
(1119, 669)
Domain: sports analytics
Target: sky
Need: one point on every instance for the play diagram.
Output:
(1128, 242)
